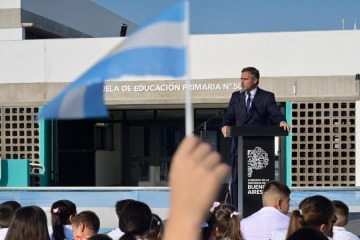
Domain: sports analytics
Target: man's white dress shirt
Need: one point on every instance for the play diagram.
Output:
(260, 225)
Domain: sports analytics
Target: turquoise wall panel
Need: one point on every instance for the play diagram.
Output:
(15, 173)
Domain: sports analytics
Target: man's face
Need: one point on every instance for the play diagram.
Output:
(248, 83)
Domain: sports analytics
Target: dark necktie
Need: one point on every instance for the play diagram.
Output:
(248, 102)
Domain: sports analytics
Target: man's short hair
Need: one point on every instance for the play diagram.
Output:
(341, 212)
(253, 72)
(89, 219)
(277, 187)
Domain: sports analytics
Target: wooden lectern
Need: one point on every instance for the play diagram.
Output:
(256, 164)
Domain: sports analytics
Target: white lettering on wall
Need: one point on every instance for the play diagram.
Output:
(172, 87)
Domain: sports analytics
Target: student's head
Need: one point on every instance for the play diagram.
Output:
(28, 223)
(316, 212)
(13, 205)
(135, 220)
(277, 195)
(119, 206)
(62, 212)
(156, 229)
(7, 210)
(341, 212)
(208, 228)
(308, 234)
(227, 222)
(86, 223)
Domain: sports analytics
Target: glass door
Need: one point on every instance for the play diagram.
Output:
(149, 148)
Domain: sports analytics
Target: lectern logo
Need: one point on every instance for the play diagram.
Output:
(257, 159)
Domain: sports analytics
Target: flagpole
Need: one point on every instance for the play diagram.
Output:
(189, 118)
(355, 28)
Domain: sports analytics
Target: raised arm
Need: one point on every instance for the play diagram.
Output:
(195, 178)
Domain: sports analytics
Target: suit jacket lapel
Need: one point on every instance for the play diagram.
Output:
(256, 98)
(243, 104)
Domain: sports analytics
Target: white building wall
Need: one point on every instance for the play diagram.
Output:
(22, 61)
(328, 53)
(75, 56)
(324, 53)
(11, 34)
(8, 4)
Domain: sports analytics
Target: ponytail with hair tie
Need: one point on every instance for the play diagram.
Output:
(300, 212)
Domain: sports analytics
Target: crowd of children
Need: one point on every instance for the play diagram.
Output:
(316, 218)
(195, 179)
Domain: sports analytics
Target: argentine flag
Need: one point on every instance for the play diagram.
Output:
(156, 49)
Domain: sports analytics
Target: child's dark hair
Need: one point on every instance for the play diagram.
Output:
(134, 220)
(13, 205)
(7, 211)
(227, 222)
(89, 219)
(313, 212)
(308, 234)
(28, 223)
(156, 229)
(60, 215)
(119, 206)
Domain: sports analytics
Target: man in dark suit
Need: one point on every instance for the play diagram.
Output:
(251, 106)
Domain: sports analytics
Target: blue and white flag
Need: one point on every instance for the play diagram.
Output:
(159, 48)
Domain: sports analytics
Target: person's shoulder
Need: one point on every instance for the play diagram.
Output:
(236, 93)
(275, 214)
(251, 217)
(68, 231)
(343, 234)
(338, 228)
(263, 92)
(115, 233)
(340, 233)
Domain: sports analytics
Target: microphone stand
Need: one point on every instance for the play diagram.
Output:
(202, 126)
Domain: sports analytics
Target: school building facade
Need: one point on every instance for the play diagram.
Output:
(313, 75)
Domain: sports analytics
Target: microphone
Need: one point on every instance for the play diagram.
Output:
(241, 92)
